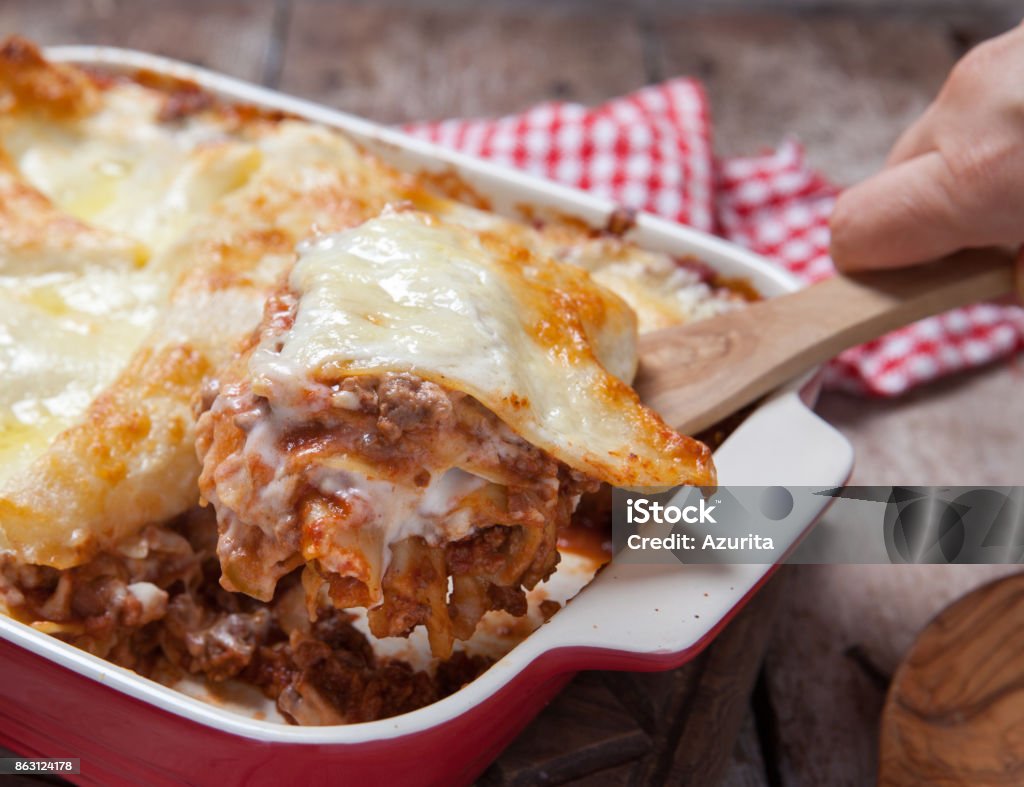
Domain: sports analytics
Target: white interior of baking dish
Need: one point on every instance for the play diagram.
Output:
(642, 610)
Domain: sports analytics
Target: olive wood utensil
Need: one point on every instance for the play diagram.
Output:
(697, 374)
(954, 714)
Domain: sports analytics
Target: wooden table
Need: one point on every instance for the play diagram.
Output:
(791, 692)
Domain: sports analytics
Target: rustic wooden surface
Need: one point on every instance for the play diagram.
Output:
(647, 728)
(955, 712)
(843, 76)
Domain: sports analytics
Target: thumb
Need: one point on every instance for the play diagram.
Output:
(908, 213)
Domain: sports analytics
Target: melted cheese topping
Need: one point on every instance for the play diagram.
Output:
(121, 170)
(661, 291)
(90, 209)
(63, 338)
(539, 343)
(136, 248)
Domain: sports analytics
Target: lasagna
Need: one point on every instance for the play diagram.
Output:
(149, 279)
(423, 403)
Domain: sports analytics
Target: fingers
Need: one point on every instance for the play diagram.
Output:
(906, 214)
(954, 179)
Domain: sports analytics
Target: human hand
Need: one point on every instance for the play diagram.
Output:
(954, 179)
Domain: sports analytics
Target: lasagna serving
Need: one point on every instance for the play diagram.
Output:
(422, 402)
(268, 401)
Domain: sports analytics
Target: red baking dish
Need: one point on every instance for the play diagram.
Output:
(62, 702)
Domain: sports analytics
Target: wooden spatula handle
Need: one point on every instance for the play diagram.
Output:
(697, 374)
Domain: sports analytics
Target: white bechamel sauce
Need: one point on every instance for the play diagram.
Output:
(152, 599)
(399, 511)
(392, 511)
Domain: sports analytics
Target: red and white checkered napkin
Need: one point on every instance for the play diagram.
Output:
(652, 150)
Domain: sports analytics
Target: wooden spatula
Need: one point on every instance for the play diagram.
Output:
(697, 374)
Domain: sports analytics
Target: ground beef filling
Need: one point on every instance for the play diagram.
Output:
(280, 473)
(155, 605)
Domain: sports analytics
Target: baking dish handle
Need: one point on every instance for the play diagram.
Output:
(635, 617)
